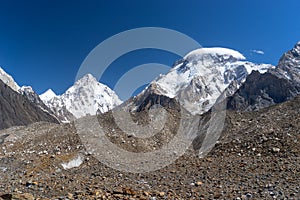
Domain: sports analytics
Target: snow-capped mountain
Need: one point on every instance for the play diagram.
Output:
(86, 97)
(20, 105)
(8, 80)
(201, 76)
(33, 97)
(26, 91)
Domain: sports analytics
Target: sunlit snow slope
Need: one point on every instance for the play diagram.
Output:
(202, 75)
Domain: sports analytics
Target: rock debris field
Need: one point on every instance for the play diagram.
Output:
(257, 157)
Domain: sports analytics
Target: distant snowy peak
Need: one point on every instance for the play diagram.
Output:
(49, 94)
(86, 80)
(202, 75)
(86, 97)
(8, 80)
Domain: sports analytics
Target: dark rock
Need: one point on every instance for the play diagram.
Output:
(275, 86)
(6, 196)
(262, 90)
(151, 97)
(17, 110)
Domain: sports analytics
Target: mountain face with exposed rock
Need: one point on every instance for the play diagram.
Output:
(289, 65)
(32, 96)
(86, 97)
(17, 110)
(21, 105)
(198, 80)
(275, 86)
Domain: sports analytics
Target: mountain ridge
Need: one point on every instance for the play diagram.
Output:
(195, 82)
(17, 110)
(8, 80)
(275, 86)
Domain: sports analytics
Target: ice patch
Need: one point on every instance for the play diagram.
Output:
(76, 162)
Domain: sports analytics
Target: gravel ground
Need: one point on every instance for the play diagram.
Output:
(257, 157)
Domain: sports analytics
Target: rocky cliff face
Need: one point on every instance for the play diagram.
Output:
(17, 110)
(32, 96)
(289, 65)
(275, 86)
(152, 97)
(262, 90)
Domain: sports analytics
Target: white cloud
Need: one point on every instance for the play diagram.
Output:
(260, 52)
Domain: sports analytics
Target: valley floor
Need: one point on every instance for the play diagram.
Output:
(258, 157)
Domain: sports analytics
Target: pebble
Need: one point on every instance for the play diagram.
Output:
(161, 194)
(276, 150)
(199, 183)
(25, 196)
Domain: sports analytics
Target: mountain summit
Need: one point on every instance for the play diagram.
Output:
(200, 78)
(49, 94)
(86, 97)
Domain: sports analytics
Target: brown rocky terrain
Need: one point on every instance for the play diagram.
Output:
(257, 157)
(18, 110)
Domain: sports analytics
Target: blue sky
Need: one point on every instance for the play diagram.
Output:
(43, 43)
